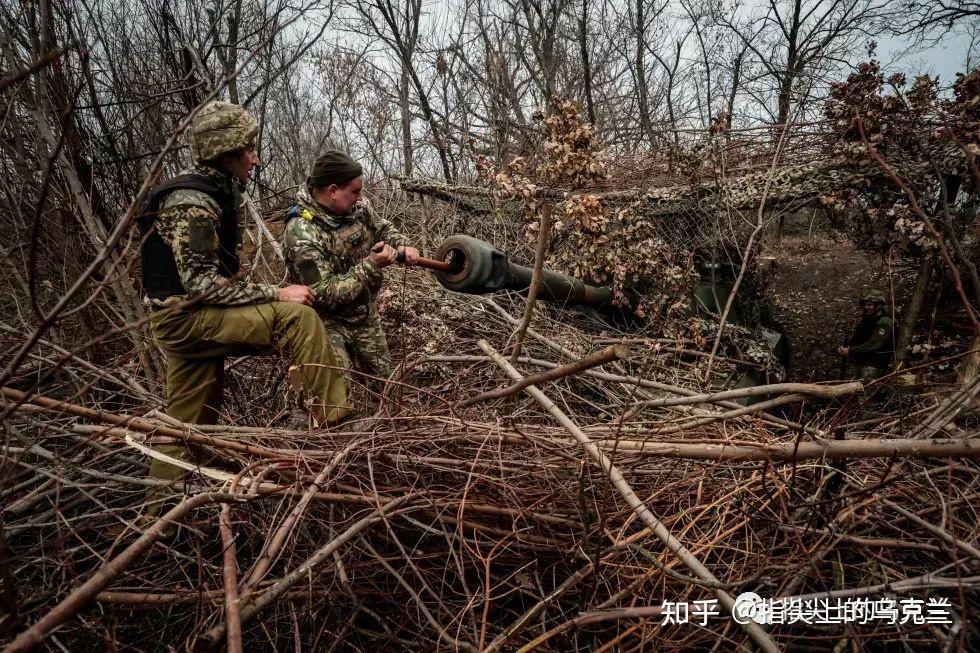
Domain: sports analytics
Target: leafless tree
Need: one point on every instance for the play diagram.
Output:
(935, 16)
(795, 43)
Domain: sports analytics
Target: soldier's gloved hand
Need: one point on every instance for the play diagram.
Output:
(410, 255)
(382, 255)
(296, 295)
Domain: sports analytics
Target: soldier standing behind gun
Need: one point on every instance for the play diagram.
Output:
(200, 310)
(337, 245)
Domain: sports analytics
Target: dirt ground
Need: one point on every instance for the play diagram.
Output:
(816, 285)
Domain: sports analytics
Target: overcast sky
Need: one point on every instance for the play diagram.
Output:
(945, 58)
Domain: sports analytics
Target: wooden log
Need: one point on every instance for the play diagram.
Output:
(810, 389)
(794, 452)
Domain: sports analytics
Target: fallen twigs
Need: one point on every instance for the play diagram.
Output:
(269, 595)
(134, 423)
(426, 526)
(607, 355)
(758, 635)
(75, 601)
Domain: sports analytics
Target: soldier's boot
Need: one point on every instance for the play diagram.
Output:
(870, 374)
(299, 332)
(161, 498)
(298, 417)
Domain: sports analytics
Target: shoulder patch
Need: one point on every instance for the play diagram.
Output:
(190, 197)
(299, 211)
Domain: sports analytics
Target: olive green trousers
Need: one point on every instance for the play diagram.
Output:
(197, 341)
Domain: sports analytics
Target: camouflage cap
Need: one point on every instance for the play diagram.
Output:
(218, 128)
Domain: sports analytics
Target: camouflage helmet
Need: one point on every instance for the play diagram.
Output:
(877, 301)
(219, 128)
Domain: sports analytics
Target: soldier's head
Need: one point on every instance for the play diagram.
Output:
(336, 181)
(870, 305)
(223, 135)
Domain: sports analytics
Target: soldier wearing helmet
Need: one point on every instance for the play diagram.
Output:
(202, 309)
(872, 344)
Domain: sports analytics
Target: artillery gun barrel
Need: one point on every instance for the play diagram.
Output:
(470, 265)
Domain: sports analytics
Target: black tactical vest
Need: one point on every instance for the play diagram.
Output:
(159, 269)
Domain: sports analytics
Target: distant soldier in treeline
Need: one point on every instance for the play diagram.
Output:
(871, 346)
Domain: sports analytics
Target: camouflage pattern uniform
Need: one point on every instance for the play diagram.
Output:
(328, 253)
(872, 346)
(218, 314)
(187, 223)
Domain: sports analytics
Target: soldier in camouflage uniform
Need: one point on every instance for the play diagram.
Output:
(337, 245)
(201, 310)
(872, 345)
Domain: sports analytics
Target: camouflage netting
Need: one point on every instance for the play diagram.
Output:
(654, 245)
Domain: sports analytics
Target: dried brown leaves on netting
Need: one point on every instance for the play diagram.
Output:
(590, 240)
(623, 250)
(568, 156)
(926, 139)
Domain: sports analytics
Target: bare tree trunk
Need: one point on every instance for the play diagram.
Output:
(231, 56)
(915, 307)
(671, 76)
(733, 93)
(583, 40)
(696, 20)
(784, 101)
(639, 64)
(433, 125)
(406, 115)
(59, 95)
(792, 67)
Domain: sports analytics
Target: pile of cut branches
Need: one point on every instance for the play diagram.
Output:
(553, 506)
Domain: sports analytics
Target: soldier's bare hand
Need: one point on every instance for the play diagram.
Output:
(842, 351)
(296, 295)
(411, 255)
(382, 255)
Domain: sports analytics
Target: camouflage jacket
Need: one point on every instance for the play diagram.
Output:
(327, 252)
(188, 223)
(873, 341)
